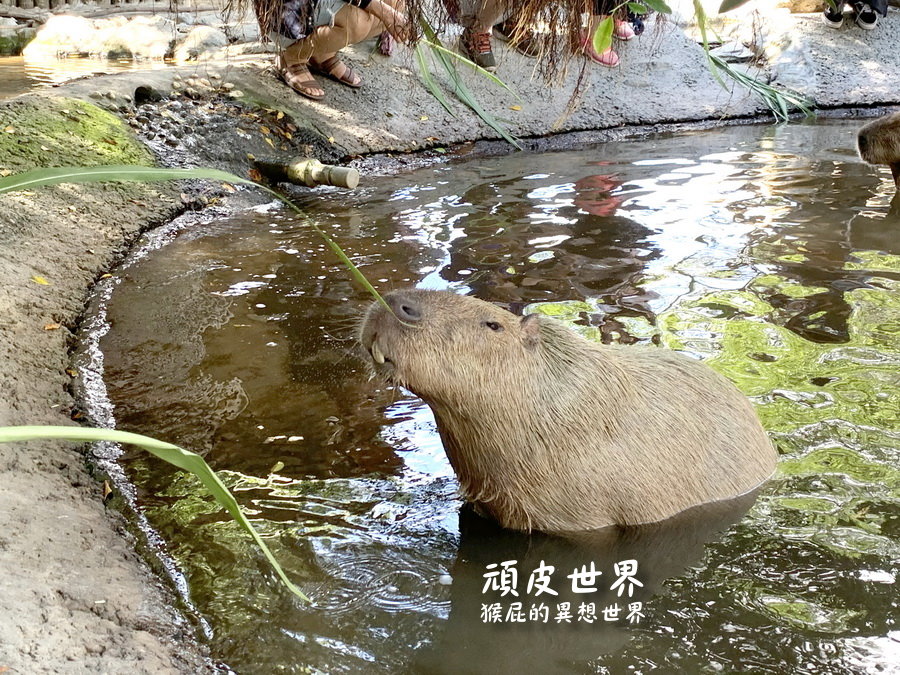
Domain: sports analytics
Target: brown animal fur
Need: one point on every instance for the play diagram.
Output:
(878, 142)
(549, 431)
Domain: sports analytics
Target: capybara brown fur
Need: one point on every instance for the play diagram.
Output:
(547, 430)
(878, 142)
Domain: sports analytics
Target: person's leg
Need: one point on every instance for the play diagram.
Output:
(477, 17)
(351, 25)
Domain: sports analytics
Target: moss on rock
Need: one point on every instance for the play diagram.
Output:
(47, 132)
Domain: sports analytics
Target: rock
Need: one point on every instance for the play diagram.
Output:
(734, 52)
(149, 37)
(145, 37)
(13, 37)
(63, 35)
(803, 6)
(200, 43)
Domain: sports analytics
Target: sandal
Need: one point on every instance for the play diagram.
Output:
(298, 78)
(337, 70)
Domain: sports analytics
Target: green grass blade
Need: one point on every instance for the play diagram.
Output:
(179, 457)
(474, 66)
(95, 174)
(429, 80)
(460, 89)
(129, 172)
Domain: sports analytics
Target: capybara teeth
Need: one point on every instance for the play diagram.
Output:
(376, 354)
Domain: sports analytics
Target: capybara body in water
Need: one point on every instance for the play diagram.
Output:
(878, 142)
(549, 431)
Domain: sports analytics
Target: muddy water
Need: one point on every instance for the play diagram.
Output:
(18, 76)
(768, 252)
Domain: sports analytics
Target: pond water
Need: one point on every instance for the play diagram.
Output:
(18, 76)
(767, 251)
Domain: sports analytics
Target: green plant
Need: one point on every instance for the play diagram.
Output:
(179, 457)
(779, 101)
(447, 58)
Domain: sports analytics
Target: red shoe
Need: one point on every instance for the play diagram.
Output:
(623, 31)
(608, 58)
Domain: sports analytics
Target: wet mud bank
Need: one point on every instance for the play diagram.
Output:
(75, 593)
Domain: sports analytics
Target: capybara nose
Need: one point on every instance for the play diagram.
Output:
(405, 307)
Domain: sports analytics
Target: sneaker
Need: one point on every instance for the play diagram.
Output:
(477, 48)
(834, 18)
(866, 18)
(523, 42)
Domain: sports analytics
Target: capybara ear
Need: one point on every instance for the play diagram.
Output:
(531, 330)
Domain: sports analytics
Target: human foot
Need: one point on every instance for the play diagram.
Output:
(298, 78)
(337, 70)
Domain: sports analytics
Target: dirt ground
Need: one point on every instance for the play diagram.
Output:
(74, 594)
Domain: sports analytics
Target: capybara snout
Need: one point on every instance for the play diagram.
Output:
(548, 430)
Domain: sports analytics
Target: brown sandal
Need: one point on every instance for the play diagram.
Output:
(331, 67)
(298, 78)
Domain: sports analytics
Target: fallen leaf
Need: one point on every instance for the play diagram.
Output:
(254, 175)
(269, 141)
(40, 280)
(229, 188)
(279, 115)
(4, 173)
(423, 118)
(106, 276)
(331, 139)
(107, 491)
(10, 130)
(265, 130)
(278, 466)
(515, 107)
(52, 326)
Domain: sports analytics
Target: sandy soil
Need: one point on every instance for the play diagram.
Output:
(74, 595)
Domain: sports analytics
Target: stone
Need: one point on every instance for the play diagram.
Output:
(734, 52)
(200, 43)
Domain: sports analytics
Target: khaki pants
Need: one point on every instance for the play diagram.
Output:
(351, 25)
(480, 15)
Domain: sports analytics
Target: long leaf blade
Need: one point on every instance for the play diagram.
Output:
(118, 172)
(179, 457)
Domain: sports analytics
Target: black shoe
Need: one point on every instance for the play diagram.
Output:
(477, 48)
(637, 22)
(866, 18)
(523, 42)
(833, 18)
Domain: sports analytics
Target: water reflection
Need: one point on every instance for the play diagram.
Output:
(770, 252)
(540, 641)
(18, 75)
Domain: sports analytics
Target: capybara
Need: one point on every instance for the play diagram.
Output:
(547, 430)
(878, 142)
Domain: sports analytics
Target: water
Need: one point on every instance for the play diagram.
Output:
(18, 76)
(767, 251)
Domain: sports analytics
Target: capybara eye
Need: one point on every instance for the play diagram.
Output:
(493, 325)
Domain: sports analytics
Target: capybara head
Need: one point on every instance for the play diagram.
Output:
(878, 142)
(447, 347)
(548, 430)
